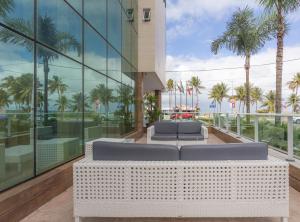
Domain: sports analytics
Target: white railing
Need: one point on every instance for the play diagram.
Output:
(259, 127)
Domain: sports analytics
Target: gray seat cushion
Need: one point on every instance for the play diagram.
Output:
(135, 152)
(189, 128)
(237, 151)
(165, 127)
(164, 137)
(190, 137)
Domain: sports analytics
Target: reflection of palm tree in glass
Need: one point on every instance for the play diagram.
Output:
(56, 84)
(126, 99)
(5, 7)
(77, 102)
(20, 88)
(104, 94)
(48, 34)
(62, 104)
(4, 99)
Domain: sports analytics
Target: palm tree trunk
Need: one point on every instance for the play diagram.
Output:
(256, 106)
(192, 98)
(247, 68)
(46, 76)
(279, 62)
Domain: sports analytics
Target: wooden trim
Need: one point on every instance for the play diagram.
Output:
(224, 136)
(20, 201)
(295, 177)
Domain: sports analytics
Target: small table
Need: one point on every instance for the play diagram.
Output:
(89, 145)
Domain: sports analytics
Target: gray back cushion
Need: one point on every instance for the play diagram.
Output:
(230, 151)
(165, 127)
(134, 152)
(189, 127)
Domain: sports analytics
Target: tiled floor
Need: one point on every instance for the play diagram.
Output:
(60, 209)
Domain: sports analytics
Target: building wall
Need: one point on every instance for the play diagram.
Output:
(151, 42)
(67, 75)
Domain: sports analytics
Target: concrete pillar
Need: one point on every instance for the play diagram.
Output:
(158, 96)
(139, 111)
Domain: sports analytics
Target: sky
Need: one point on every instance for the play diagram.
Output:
(191, 27)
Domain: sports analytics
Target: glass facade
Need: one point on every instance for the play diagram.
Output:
(67, 76)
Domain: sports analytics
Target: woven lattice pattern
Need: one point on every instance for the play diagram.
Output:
(153, 183)
(261, 182)
(207, 183)
(104, 183)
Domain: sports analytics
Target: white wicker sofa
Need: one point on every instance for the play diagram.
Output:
(179, 188)
(177, 133)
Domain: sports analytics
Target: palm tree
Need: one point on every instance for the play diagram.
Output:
(104, 94)
(170, 88)
(218, 93)
(56, 84)
(256, 96)
(269, 101)
(197, 86)
(294, 83)
(281, 8)
(245, 36)
(240, 95)
(77, 102)
(48, 34)
(62, 104)
(4, 99)
(293, 101)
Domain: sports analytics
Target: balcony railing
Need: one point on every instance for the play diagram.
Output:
(282, 136)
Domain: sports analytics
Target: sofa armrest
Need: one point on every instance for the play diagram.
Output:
(150, 133)
(204, 132)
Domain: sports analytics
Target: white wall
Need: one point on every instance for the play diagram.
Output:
(152, 43)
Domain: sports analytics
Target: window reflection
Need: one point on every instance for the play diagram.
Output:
(95, 50)
(114, 64)
(96, 111)
(16, 93)
(59, 119)
(114, 23)
(59, 27)
(95, 13)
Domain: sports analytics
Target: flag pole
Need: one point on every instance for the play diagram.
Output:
(186, 102)
(175, 95)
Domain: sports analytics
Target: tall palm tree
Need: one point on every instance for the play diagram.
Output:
(56, 84)
(48, 34)
(281, 8)
(240, 95)
(293, 101)
(78, 102)
(294, 83)
(256, 96)
(197, 86)
(269, 101)
(4, 99)
(218, 93)
(170, 88)
(245, 35)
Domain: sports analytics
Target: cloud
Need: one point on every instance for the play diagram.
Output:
(262, 76)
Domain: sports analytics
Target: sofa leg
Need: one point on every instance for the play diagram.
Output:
(284, 219)
(78, 219)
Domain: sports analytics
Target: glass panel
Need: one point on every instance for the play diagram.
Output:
(77, 4)
(113, 98)
(247, 126)
(96, 109)
(126, 37)
(114, 24)
(95, 50)
(95, 13)
(18, 14)
(16, 119)
(297, 137)
(59, 119)
(232, 121)
(59, 27)
(114, 64)
(274, 135)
